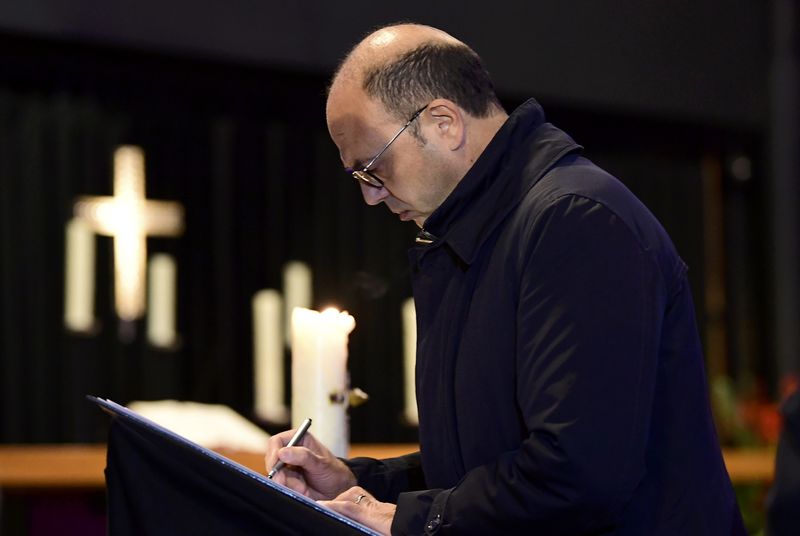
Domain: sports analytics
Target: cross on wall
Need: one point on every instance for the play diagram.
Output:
(129, 218)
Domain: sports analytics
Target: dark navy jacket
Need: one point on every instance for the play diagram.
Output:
(560, 379)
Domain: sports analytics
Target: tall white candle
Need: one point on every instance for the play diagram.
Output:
(319, 374)
(296, 291)
(79, 276)
(409, 315)
(161, 301)
(268, 369)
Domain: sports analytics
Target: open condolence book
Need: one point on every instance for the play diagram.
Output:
(161, 483)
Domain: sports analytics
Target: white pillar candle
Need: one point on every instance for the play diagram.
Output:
(296, 292)
(319, 374)
(161, 301)
(409, 315)
(79, 276)
(268, 369)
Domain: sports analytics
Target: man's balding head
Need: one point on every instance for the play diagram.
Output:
(387, 44)
(405, 66)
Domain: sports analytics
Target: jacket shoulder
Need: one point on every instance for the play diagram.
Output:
(574, 177)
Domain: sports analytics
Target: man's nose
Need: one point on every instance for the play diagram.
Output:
(372, 195)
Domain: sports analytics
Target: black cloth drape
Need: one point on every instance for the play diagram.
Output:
(157, 486)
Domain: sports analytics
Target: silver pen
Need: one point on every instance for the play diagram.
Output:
(296, 438)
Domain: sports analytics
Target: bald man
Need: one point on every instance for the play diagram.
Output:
(559, 377)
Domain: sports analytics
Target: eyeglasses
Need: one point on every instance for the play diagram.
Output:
(364, 174)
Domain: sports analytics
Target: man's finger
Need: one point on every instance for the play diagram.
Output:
(353, 494)
(299, 456)
(275, 443)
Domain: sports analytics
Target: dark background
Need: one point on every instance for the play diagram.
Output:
(227, 101)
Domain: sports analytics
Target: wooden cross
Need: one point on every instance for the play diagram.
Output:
(130, 218)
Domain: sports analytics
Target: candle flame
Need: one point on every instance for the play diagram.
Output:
(328, 318)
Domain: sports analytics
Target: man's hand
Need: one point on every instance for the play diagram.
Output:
(311, 468)
(356, 503)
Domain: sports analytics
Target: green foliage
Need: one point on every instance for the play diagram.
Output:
(751, 503)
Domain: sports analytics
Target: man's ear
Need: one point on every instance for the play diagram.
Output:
(447, 119)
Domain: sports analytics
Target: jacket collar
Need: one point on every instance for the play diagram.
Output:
(523, 150)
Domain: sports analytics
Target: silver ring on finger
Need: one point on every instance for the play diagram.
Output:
(359, 498)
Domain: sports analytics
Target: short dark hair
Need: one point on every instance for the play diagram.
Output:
(433, 70)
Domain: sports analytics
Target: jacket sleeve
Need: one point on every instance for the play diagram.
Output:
(385, 479)
(591, 302)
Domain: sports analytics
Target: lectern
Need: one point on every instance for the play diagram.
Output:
(161, 483)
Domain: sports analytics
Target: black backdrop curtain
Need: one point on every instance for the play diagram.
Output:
(245, 150)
